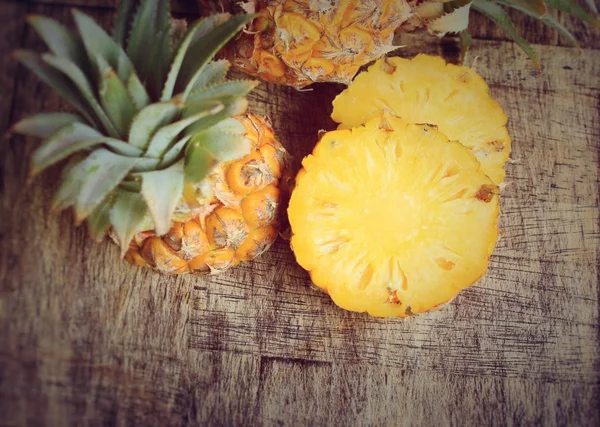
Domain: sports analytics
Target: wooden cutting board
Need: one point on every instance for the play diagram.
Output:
(86, 339)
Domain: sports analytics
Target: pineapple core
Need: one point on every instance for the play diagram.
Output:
(392, 218)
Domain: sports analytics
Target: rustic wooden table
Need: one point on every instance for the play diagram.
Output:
(86, 339)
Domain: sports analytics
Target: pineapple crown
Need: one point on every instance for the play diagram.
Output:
(455, 19)
(154, 111)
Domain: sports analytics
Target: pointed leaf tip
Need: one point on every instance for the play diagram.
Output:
(162, 190)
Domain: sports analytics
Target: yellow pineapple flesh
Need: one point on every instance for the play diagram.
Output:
(392, 218)
(428, 90)
(230, 217)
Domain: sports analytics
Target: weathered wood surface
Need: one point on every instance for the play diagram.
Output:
(88, 340)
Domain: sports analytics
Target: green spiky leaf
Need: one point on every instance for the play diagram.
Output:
(233, 107)
(465, 44)
(165, 136)
(535, 8)
(229, 89)
(230, 125)
(128, 212)
(223, 146)
(199, 161)
(83, 85)
(146, 164)
(62, 144)
(162, 190)
(201, 52)
(150, 42)
(114, 97)
(71, 180)
(57, 81)
(59, 40)
(573, 9)
(123, 19)
(496, 14)
(213, 73)
(99, 220)
(45, 125)
(454, 20)
(137, 92)
(104, 171)
(150, 119)
(98, 43)
(547, 19)
(174, 153)
(201, 28)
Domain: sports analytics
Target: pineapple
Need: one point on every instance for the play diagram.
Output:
(392, 218)
(160, 154)
(427, 90)
(299, 42)
(230, 217)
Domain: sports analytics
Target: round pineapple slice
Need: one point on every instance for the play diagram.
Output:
(427, 90)
(391, 218)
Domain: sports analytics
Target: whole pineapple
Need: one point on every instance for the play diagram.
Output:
(160, 153)
(300, 42)
(392, 218)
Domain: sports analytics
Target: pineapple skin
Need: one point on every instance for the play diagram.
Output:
(230, 217)
(300, 42)
(426, 89)
(392, 219)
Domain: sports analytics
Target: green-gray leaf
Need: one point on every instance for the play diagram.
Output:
(45, 125)
(199, 161)
(198, 30)
(230, 125)
(115, 98)
(162, 191)
(76, 75)
(122, 20)
(66, 141)
(233, 107)
(145, 164)
(495, 13)
(229, 89)
(573, 9)
(165, 136)
(224, 147)
(547, 19)
(465, 44)
(71, 180)
(150, 119)
(149, 43)
(57, 81)
(174, 152)
(60, 40)
(535, 8)
(137, 91)
(213, 73)
(104, 171)
(98, 42)
(205, 48)
(128, 212)
(99, 220)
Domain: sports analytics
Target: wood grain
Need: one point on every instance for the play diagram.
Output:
(88, 340)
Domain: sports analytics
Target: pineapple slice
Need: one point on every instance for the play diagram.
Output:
(391, 218)
(427, 90)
